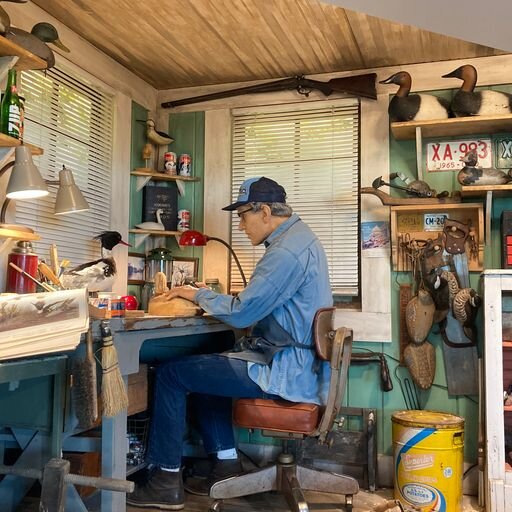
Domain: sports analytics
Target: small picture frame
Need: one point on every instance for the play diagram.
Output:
(136, 267)
(184, 270)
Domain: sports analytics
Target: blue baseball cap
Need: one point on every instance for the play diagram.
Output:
(258, 190)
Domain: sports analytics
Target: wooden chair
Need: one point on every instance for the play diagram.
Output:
(289, 420)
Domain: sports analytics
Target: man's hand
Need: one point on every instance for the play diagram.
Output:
(185, 292)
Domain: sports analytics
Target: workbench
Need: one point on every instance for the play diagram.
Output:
(154, 339)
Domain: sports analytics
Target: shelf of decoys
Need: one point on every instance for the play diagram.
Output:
(145, 174)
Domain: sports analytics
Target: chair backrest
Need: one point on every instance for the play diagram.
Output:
(334, 345)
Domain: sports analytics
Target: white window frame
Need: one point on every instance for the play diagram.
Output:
(339, 167)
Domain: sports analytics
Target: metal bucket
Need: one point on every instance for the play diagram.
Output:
(429, 459)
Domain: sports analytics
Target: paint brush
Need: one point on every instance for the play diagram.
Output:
(54, 259)
(47, 272)
(45, 286)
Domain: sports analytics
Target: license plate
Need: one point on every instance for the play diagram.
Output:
(434, 221)
(445, 156)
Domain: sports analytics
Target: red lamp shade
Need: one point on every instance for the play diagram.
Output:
(195, 238)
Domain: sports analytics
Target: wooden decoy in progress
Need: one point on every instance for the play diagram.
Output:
(36, 41)
(473, 174)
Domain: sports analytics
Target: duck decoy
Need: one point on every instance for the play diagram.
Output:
(467, 102)
(155, 136)
(465, 308)
(5, 20)
(418, 188)
(473, 174)
(414, 107)
(158, 225)
(35, 41)
(97, 275)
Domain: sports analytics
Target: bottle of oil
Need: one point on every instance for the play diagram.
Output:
(10, 112)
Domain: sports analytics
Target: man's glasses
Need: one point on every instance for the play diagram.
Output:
(241, 212)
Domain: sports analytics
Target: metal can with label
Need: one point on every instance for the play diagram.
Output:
(170, 163)
(183, 220)
(185, 165)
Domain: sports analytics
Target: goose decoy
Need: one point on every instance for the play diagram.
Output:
(97, 275)
(35, 41)
(473, 174)
(466, 102)
(5, 20)
(465, 308)
(158, 225)
(156, 137)
(414, 107)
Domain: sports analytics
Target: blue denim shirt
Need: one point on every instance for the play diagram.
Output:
(291, 281)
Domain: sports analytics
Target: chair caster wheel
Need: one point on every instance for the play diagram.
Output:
(216, 506)
(348, 503)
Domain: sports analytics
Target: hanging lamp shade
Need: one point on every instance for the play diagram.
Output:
(69, 198)
(25, 181)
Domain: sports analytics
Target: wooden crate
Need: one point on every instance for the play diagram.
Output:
(408, 220)
(87, 464)
(138, 390)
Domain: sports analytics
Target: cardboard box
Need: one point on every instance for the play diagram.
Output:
(138, 390)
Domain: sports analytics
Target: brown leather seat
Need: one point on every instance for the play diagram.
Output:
(289, 420)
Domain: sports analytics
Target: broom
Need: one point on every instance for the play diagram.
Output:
(114, 398)
(85, 396)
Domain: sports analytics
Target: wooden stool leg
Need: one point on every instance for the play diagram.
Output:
(53, 491)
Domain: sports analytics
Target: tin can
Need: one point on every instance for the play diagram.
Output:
(183, 220)
(170, 163)
(185, 165)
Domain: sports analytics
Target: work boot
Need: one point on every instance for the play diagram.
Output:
(164, 491)
(221, 469)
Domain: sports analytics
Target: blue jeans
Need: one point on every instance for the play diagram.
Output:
(212, 381)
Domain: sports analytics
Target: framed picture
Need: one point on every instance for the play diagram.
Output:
(136, 266)
(184, 270)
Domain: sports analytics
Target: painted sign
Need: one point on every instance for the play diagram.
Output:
(445, 156)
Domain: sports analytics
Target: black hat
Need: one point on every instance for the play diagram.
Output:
(258, 190)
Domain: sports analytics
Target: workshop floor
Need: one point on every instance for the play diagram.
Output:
(274, 502)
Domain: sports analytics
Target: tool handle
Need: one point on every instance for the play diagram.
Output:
(54, 259)
(48, 273)
(45, 286)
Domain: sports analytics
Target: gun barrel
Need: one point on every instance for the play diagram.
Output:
(276, 85)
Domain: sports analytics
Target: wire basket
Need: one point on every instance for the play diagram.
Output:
(137, 432)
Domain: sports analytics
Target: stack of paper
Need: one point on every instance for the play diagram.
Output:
(40, 323)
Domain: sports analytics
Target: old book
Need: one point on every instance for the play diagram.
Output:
(164, 198)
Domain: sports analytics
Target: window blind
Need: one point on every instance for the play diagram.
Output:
(71, 119)
(314, 153)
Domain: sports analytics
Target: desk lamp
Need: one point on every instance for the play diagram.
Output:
(197, 239)
(26, 182)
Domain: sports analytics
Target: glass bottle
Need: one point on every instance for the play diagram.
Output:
(213, 284)
(10, 108)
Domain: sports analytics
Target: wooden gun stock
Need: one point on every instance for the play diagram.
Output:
(358, 85)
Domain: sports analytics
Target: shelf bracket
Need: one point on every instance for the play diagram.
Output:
(5, 244)
(181, 187)
(488, 217)
(140, 237)
(7, 63)
(141, 182)
(419, 153)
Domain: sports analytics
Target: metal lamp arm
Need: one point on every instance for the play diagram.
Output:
(235, 257)
(6, 202)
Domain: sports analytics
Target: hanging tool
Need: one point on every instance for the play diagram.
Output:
(365, 357)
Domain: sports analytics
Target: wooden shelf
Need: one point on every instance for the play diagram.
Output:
(507, 408)
(11, 142)
(155, 232)
(507, 344)
(26, 60)
(452, 127)
(409, 219)
(481, 190)
(161, 176)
